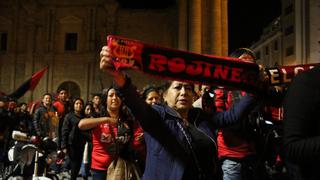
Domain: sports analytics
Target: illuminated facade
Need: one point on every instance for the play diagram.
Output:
(67, 36)
(294, 37)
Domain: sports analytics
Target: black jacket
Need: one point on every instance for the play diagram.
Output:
(167, 152)
(43, 121)
(71, 135)
(302, 125)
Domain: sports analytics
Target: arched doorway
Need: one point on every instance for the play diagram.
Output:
(72, 87)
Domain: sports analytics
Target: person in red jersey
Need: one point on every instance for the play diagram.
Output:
(114, 134)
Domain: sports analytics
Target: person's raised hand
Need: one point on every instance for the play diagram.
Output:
(105, 59)
(263, 81)
(106, 64)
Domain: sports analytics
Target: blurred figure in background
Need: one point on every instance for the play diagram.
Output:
(151, 95)
(302, 126)
(96, 102)
(73, 139)
(63, 107)
(237, 144)
(86, 161)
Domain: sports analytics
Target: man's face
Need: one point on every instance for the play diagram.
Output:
(63, 95)
(46, 100)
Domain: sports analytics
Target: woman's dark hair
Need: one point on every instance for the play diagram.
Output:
(96, 94)
(148, 89)
(238, 52)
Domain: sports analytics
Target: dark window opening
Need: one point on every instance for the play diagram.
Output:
(71, 42)
(4, 42)
(258, 55)
(289, 51)
(275, 46)
(288, 9)
(288, 30)
(267, 50)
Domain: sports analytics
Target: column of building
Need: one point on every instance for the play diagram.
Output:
(202, 19)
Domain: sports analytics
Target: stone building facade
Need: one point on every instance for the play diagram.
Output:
(294, 37)
(67, 36)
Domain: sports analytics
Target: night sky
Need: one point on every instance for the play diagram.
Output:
(247, 18)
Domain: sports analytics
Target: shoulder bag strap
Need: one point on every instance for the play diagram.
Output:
(195, 158)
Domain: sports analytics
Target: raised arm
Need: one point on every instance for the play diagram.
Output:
(235, 113)
(150, 119)
(147, 116)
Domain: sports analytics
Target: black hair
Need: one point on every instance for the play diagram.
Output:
(61, 89)
(88, 103)
(104, 94)
(148, 89)
(47, 94)
(96, 94)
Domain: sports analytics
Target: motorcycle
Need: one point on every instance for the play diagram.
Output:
(31, 157)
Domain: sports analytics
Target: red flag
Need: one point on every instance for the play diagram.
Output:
(36, 78)
(30, 84)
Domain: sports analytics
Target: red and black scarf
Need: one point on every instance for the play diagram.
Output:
(174, 64)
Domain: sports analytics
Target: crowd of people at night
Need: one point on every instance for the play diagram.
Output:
(174, 131)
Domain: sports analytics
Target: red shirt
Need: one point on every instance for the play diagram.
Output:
(60, 107)
(275, 112)
(229, 143)
(104, 148)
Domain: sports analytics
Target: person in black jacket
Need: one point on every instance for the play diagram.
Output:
(4, 120)
(25, 119)
(302, 126)
(73, 139)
